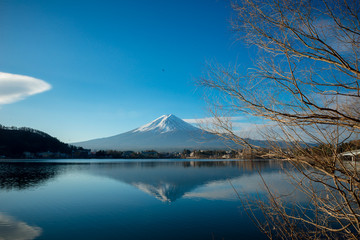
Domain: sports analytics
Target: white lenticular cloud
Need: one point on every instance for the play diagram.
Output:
(14, 87)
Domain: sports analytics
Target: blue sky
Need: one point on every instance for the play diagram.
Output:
(111, 65)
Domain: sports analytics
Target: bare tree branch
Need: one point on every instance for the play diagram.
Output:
(306, 82)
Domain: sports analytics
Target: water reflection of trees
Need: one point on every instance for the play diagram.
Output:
(21, 175)
(243, 165)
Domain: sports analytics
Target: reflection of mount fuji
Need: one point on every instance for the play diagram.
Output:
(167, 181)
(171, 181)
(165, 192)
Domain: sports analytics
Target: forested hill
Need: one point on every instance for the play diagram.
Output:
(15, 142)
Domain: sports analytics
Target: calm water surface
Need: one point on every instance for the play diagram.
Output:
(129, 199)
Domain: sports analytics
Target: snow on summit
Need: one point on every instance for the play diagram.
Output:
(166, 123)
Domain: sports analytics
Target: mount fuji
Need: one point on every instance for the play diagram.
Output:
(166, 133)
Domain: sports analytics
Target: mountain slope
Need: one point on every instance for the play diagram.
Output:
(166, 133)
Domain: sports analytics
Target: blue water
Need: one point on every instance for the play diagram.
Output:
(130, 199)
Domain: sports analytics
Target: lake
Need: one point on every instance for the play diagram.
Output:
(132, 199)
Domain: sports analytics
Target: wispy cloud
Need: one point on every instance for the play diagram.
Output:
(210, 119)
(14, 87)
(243, 126)
(239, 123)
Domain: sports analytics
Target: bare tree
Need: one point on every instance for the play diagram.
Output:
(306, 82)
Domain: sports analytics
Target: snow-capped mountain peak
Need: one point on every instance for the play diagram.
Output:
(166, 123)
(166, 133)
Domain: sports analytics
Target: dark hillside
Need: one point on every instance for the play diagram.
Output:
(15, 141)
